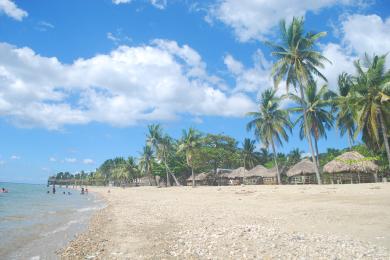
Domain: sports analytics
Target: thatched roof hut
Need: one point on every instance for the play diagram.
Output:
(258, 171)
(199, 177)
(351, 162)
(304, 167)
(236, 173)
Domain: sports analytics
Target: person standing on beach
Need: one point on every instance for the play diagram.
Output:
(54, 189)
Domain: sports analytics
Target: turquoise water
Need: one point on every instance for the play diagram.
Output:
(34, 224)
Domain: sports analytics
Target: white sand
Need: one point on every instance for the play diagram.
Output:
(255, 222)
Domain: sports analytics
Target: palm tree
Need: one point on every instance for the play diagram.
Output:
(248, 153)
(153, 139)
(190, 141)
(264, 155)
(372, 101)
(164, 151)
(317, 104)
(345, 116)
(294, 156)
(146, 162)
(298, 62)
(270, 123)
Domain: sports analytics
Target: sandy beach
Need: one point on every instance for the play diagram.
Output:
(241, 222)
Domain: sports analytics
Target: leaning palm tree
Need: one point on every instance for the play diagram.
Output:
(164, 151)
(189, 143)
(146, 162)
(372, 101)
(345, 115)
(249, 156)
(319, 118)
(270, 123)
(298, 62)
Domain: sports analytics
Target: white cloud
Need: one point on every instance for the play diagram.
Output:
(366, 33)
(88, 161)
(9, 8)
(70, 160)
(52, 159)
(15, 157)
(252, 79)
(159, 81)
(2, 162)
(44, 26)
(359, 34)
(254, 19)
(117, 2)
(160, 4)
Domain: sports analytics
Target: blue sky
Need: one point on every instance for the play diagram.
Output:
(81, 80)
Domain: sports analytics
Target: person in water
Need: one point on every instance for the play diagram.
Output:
(82, 190)
(3, 190)
(86, 190)
(54, 189)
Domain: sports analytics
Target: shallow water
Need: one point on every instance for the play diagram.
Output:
(34, 224)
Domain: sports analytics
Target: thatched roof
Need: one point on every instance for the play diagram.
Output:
(303, 167)
(237, 173)
(199, 177)
(261, 171)
(351, 162)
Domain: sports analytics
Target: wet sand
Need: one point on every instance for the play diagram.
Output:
(241, 222)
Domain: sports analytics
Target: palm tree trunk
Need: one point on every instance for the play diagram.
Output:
(173, 176)
(350, 139)
(193, 177)
(384, 132)
(317, 153)
(308, 137)
(276, 162)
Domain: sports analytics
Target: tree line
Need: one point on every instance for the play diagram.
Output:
(360, 107)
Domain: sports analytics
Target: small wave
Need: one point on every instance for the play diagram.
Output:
(89, 209)
(62, 228)
(37, 257)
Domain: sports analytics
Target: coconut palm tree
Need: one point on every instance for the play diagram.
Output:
(345, 115)
(248, 153)
(319, 118)
(189, 143)
(270, 123)
(164, 151)
(146, 162)
(298, 62)
(372, 101)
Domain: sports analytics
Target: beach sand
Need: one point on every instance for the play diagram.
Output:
(241, 222)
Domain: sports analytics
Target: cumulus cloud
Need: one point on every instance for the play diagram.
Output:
(160, 81)
(11, 9)
(254, 19)
(88, 161)
(252, 79)
(366, 33)
(70, 160)
(360, 34)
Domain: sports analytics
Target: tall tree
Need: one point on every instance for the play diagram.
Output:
(146, 162)
(270, 123)
(345, 115)
(249, 155)
(164, 151)
(189, 143)
(297, 62)
(319, 118)
(372, 101)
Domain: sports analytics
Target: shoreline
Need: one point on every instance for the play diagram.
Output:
(230, 222)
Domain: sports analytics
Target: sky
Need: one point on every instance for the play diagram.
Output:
(81, 80)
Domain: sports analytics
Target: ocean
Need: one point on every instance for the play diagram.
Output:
(34, 224)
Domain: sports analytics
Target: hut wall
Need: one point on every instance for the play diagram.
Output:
(253, 181)
(350, 178)
(222, 181)
(303, 179)
(269, 180)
